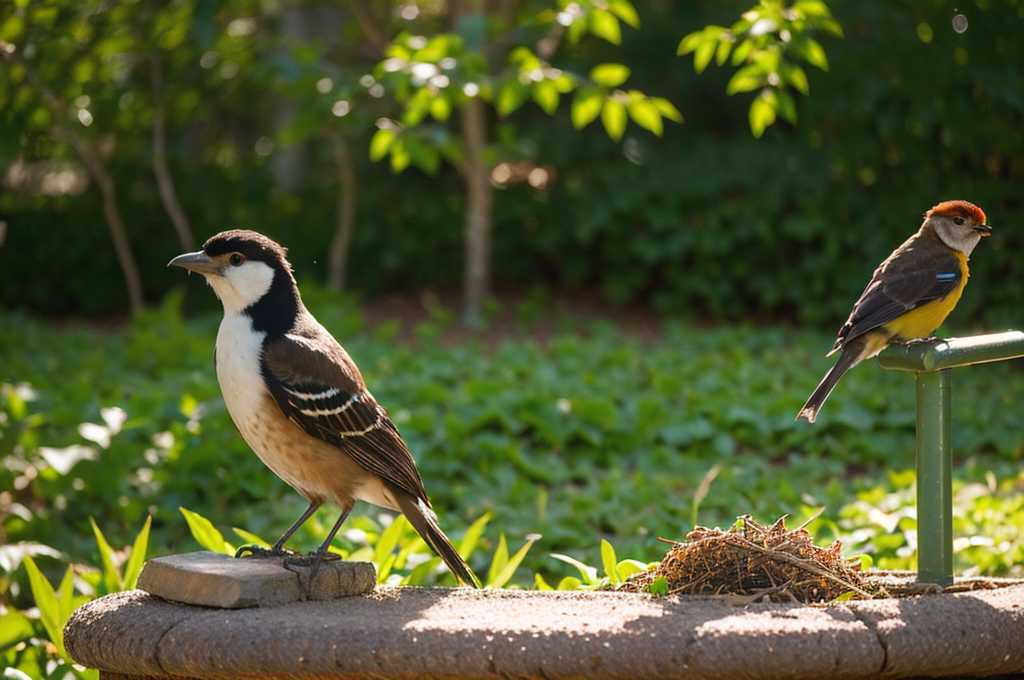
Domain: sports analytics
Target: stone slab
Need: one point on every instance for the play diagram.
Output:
(461, 632)
(213, 580)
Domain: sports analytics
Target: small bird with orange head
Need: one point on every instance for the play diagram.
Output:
(911, 293)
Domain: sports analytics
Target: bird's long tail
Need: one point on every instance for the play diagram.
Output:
(850, 357)
(424, 521)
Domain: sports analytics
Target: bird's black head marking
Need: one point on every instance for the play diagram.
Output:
(250, 245)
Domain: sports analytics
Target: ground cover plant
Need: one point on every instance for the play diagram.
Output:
(552, 462)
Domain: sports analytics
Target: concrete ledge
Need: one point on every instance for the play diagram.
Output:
(442, 632)
(214, 580)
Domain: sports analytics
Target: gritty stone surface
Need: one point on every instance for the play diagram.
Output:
(461, 632)
(214, 580)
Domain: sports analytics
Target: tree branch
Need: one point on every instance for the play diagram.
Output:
(164, 179)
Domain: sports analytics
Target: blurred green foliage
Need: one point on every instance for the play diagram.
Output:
(704, 220)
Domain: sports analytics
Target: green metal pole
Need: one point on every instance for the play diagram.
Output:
(934, 478)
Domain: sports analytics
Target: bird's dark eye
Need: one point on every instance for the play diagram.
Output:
(956, 220)
(237, 258)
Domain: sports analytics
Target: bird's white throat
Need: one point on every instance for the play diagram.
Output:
(241, 287)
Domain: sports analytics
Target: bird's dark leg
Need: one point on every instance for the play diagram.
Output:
(314, 559)
(278, 549)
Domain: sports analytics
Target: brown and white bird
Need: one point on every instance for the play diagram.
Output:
(299, 400)
(911, 293)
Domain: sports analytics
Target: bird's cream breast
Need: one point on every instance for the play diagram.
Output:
(312, 467)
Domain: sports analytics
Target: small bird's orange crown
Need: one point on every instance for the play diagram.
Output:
(958, 209)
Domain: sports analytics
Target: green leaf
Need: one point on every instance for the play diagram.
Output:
(658, 586)
(795, 76)
(507, 571)
(440, 107)
(603, 24)
(609, 75)
(15, 628)
(808, 49)
(388, 541)
(645, 114)
(538, 583)
(46, 600)
(205, 534)
(762, 114)
(569, 583)
(384, 568)
(667, 109)
(472, 536)
(613, 115)
(690, 43)
(722, 52)
(66, 596)
(510, 96)
(381, 143)
(112, 580)
(588, 573)
(703, 55)
(138, 557)
(609, 562)
(400, 157)
(786, 106)
(586, 106)
(624, 10)
(748, 78)
(545, 93)
(499, 560)
(627, 568)
(250, 538)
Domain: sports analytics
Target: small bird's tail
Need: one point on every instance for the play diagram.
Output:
(847, 360)
(424, 521)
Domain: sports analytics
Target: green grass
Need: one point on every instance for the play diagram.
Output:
(591, 436)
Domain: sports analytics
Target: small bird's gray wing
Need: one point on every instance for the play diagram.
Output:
(899, 285)
(318, 387)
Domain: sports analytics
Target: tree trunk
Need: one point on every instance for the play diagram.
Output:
(164, 181)
(132, 279)
(337, 263)
(479, 217)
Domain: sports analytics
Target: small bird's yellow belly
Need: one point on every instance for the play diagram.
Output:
(922, 321)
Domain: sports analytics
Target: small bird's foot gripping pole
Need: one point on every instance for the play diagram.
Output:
(261, 552)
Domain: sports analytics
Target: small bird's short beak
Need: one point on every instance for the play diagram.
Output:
(983, 229)
(196, 262)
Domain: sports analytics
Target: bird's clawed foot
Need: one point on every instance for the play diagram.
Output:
(261, 552)
(921, 341)
(307, 567)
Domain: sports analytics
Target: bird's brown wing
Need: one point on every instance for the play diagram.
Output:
(319, 388)
(910, 279)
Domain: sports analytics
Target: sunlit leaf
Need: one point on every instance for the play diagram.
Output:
(586, 106)
(703, 54)
(690, 42)
(613, 115)
(645, 114)
(510, 96)
(545, 93)
(658, 586)
(440, 107)
(786, 106)
(46, 600)
(804, 47)
(250, 538)
(762, 114)
(205, 534)
(609, 562)
(667, 109)
(472, 536)
(138, 557)
(588, 573)
(746, 79)
(400, 157)
(381, 142)
(722, 52)
(603, 24)
(624, 10)
(609, 75)
(504, 575)
(499, 560)
(111, 576)
(795, 76)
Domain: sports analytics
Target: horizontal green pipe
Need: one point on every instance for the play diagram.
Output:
(936, 355)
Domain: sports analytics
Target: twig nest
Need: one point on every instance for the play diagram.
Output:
(754, 561)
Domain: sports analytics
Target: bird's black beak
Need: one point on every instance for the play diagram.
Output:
(983, 229)
(197, 262)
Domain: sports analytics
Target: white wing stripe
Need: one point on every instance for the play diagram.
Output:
(306, 396)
